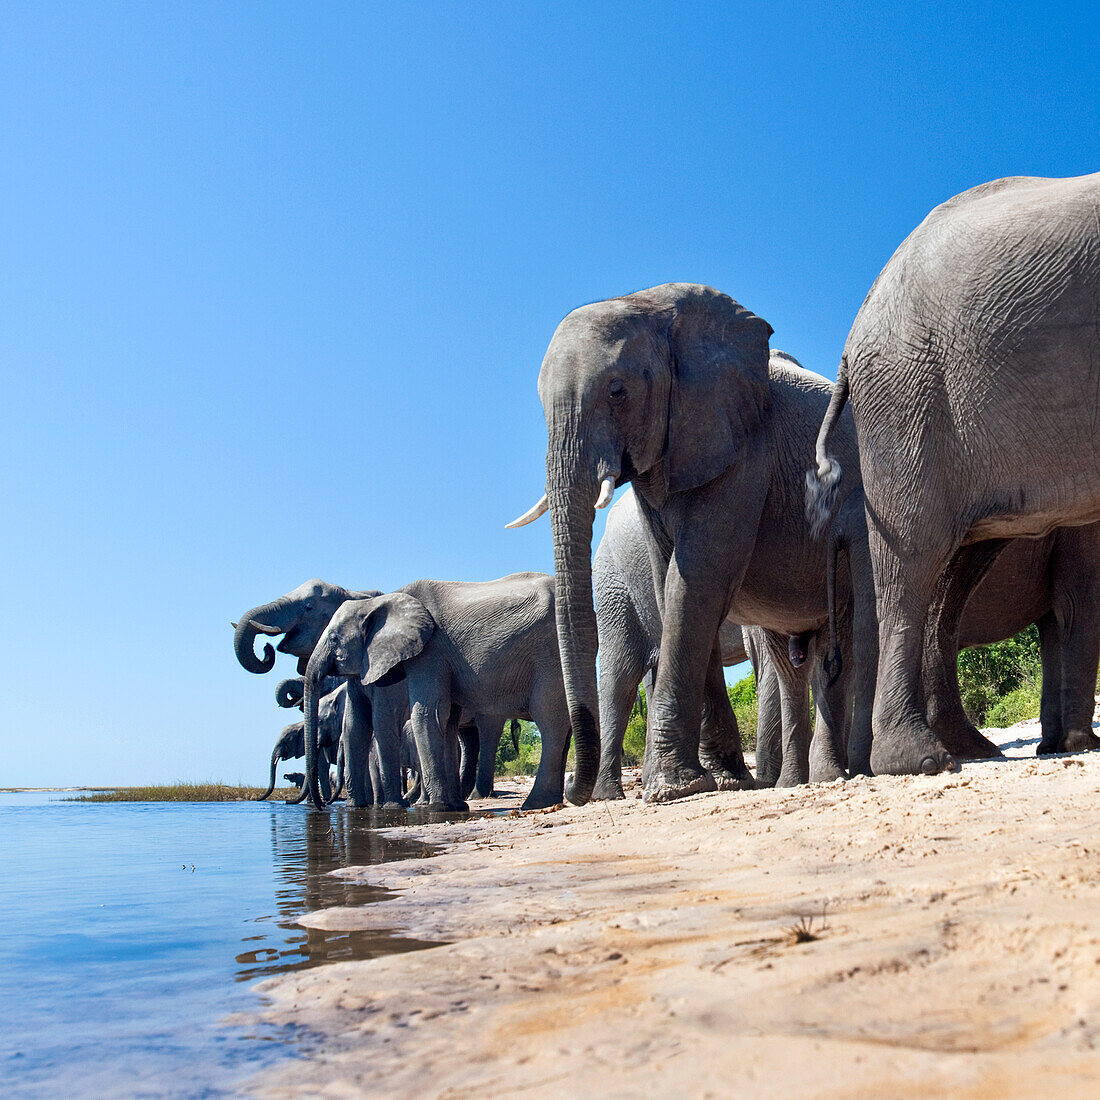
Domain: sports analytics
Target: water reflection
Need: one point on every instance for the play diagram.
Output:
(306, 847)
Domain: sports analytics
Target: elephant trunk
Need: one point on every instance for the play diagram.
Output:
(571, 524)
(288, 693)
(275, 757)
(244, 639)
(315, 673)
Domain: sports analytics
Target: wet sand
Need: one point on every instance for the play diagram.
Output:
(896, 936)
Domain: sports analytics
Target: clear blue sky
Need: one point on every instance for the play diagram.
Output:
(277, 280)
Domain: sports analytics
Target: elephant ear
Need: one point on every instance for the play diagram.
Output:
(397, 628)
(719, 392)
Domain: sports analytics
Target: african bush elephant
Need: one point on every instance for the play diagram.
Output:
(291, 742)
(485, 647)
(673, 389)
(301, 616)
(628, 624)
(973, 372)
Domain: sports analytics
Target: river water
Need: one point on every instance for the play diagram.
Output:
(130, 930)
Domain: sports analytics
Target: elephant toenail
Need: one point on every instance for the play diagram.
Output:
(929, 766)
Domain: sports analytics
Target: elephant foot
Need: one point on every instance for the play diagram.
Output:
(541, 800)
(395, 806)
(445, 807)
(608, 788)
(1079, 740)
(729, 775)
(967, 743)
(826, 772)
(791, 777)
(478, 793)
(910, 751)
(665, 784)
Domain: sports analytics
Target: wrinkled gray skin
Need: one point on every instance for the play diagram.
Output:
(464, 648)
(973, 372)
(291, 742)
(670, 389)
(1053, 582)
(628, 624)
(378, 711)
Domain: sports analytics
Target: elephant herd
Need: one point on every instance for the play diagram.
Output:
(849, 538)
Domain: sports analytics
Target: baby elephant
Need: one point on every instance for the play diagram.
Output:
(291, 742)
(465, 648)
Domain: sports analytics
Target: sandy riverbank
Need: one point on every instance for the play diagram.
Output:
(630, 950)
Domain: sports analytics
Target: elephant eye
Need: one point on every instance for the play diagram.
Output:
(616, 388)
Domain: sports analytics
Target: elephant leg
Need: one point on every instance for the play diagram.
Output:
(438, 772)
(864, 652)
(903, 742)
(1080, 653)
(695, 604)
(1050, 702)
(490, 729)
(720, 739)
(794, 706)
(388, 706)
(469, 752)
(769, 717)
(941, 651)
(828, 748)
(357, 734)
(619, 679)
(552, 718)
(323, 779)
(377, 790)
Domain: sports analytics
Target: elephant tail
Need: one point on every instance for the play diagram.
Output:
(822, 482)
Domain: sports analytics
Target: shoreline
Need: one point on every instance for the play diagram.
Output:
(908, 936)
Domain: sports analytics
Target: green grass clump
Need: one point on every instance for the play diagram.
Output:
(180, 792)
(1014, 707)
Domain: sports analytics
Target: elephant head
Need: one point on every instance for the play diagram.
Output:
(368, 639)
(660, 387)
(290, 744)
(300, 616)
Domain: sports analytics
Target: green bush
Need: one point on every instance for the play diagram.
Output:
(743, 700)
(990, 674)
(1014, 707)
(520, 749)
(634, 738)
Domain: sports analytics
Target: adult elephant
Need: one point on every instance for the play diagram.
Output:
(672, 389)
(301, 617)
(628, 624)
(973, 372)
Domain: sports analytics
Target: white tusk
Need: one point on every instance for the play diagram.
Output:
(607, 488)
(530, 515)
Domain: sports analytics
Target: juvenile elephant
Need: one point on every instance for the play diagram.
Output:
(673, 389)
(291, 742)
(973, 373)
(463, 648)
(628, 623)
(301, 617)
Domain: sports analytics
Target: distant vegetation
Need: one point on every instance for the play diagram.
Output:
(1000, 686)
(180, 792)
(1001, 683)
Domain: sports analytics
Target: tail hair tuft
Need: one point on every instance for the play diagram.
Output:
(821, 493)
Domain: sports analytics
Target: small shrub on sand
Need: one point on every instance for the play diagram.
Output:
(519, 754)
(1014, 707)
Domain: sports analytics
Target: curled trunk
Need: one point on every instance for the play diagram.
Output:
(244, 640)
(571, 522)
(289, 693)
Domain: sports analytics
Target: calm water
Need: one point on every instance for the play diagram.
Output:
(131, 929)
